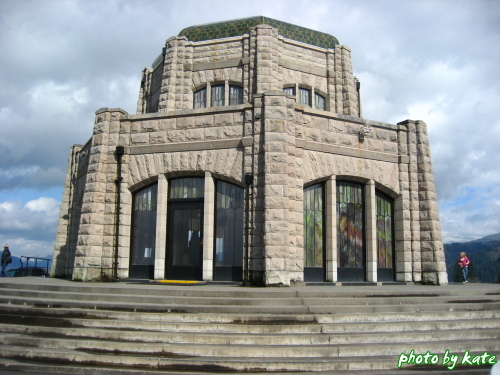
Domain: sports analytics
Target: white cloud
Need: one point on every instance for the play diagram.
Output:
(31, 223)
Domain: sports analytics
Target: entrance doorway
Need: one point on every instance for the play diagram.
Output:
(185, 237)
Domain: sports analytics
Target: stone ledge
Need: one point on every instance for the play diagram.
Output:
(190, 146)
(346, 151)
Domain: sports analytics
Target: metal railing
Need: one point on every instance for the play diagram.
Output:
(35, 270)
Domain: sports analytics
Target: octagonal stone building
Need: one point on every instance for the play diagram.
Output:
(248, 160)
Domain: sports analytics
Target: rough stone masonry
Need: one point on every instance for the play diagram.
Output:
(248, 160)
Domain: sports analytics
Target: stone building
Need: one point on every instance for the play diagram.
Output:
(248, 159)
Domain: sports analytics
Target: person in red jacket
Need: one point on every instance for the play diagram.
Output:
(463, 262)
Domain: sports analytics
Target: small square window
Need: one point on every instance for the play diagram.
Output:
(289, 91)
(235, 95)
(217, 96)
(319, 102)
(200, 98)
(305, 96)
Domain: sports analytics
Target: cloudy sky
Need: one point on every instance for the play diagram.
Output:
(60, 61)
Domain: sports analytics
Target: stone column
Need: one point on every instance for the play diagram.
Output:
(331, 229)
(95, 251)
(371, 232)
(69, 216)
(431, 246)
(172, 95)
(208, 228)
(283, 192)
(402, 213)
(346, 96)
(161, 227)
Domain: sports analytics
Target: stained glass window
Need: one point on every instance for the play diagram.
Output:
(144, 226)
(313, 226)
(200, 98)
(385, 237)
(235, 95)
(218, 96)
(187, 188)
(350, 216)
(228, 225)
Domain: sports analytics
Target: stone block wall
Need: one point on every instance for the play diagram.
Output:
(283, 145)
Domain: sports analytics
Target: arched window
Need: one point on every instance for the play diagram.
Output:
(314, 238)
(385, 237)
(350, 231)
(142, 249)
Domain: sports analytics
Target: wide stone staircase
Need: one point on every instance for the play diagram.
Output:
(50, 326)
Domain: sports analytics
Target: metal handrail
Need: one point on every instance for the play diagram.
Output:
(36, 263)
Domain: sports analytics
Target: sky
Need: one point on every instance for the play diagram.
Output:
(61, 60)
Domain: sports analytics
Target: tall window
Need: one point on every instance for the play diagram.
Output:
(235, 95)
(200, 98)
(228, 231)
(217, 96)
(385, 238)
(350, 229)
(142, 249)
(314, 228)
(319, 102)
(305, 96)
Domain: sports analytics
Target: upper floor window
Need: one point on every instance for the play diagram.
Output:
(305, 96)
(289, 90)
(319, 102)
(217, 96)
(200, 98)
(235, 95)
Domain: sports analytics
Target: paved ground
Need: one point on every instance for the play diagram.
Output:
(145, 284)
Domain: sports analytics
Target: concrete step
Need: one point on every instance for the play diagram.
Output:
(50, 369)
(231, 338)
(159, 329)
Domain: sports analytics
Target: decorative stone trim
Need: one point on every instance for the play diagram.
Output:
(346, 151)
(190, 146)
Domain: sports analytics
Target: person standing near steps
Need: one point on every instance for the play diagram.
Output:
(463, 262)
(6, 259)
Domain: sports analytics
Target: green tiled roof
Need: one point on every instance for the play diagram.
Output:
(242, 26)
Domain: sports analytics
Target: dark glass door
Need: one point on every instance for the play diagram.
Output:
(185, 241)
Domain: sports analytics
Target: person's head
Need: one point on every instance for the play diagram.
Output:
(462, 255)
(5, 246)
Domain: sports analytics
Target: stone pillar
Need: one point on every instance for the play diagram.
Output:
(432, 252)
(266, 49)
(346, 96)
(161, 227)
(172, 95)
(331, 229)
(95, 251)
(402, 213)
(208, 228)
(421, 228)
(69, 217)
(371, 232)
(283, 192)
